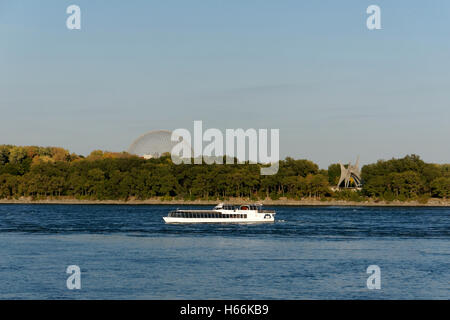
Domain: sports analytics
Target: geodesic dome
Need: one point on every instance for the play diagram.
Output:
(153, 144)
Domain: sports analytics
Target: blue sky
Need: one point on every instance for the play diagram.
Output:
(309, 68)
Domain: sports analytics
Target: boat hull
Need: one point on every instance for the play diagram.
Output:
(217, 220)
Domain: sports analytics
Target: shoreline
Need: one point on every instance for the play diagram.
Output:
(267, 202)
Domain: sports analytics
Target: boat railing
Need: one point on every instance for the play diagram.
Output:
(267, 211)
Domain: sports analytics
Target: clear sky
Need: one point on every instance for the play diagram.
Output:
(309, 68)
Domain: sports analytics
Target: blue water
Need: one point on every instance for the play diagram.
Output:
(127, 252)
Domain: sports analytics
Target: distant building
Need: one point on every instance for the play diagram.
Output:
(153, 144)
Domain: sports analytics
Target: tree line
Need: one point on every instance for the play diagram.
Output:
(43, 172)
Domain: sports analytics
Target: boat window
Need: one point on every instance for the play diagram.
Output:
(245, 216)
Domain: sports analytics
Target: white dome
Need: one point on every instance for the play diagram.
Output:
(153, 144)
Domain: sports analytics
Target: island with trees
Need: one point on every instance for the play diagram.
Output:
(36, 174)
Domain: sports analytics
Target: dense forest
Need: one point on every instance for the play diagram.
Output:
(43, 172)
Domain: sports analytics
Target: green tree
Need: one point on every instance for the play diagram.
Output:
(440, 187)
(17, 155)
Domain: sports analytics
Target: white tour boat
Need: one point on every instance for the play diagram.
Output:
(247, 213)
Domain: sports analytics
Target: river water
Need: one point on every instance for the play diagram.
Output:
(127, 252)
